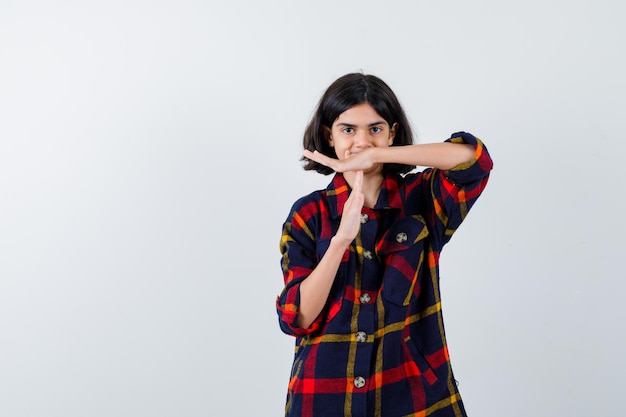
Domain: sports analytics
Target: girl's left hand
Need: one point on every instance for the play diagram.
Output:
(361, 161)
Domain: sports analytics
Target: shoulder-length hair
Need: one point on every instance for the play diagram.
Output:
(347, 91)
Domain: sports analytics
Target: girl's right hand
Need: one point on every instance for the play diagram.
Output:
(351, 162)
(351, 217)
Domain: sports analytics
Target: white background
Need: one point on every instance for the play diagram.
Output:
(149, 155)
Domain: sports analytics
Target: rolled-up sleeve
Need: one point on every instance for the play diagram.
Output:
(475, 171)
(297, 246)
(453, 192)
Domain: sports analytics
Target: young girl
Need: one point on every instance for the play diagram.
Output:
(360, 259)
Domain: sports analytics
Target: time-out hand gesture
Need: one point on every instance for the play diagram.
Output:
(351, 217)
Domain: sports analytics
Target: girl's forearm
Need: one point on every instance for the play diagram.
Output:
(443, 155)
(315, 288)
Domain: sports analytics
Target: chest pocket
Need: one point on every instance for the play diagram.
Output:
(402, 249)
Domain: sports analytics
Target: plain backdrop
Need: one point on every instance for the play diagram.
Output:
(149, 153)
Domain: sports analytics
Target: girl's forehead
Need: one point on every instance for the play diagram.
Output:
(362, 113)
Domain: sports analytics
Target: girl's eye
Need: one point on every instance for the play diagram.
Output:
(347, 130)
(376, 129)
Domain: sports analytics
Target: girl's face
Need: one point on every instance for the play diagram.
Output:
(358, 128)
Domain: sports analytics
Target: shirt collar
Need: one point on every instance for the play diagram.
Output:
(338, 191)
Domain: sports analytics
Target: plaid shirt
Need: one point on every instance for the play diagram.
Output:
(378, 348)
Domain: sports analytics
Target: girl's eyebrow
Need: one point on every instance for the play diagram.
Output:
(370, 125)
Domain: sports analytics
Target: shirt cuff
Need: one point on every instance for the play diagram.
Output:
(476, 169)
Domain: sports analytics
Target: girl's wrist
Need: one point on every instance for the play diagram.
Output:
(377, 155)
(340, 242)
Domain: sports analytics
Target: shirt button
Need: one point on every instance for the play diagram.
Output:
(361, 337)
(401, 237)
(364, 218)
(359, 382)
(365, 298)
(367, 254)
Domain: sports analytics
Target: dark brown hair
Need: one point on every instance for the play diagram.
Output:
(347, 91)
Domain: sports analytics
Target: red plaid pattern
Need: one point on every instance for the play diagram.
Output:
(378, 349)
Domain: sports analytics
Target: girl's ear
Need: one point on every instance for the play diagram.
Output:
(328, 136)
(392, 133)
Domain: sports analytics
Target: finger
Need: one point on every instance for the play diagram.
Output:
(356, 200)
(319, 158)
(357, 186)
(358, 181)
(359, 202)
(308, 154)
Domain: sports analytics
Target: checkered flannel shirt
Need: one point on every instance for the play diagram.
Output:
(378, 348)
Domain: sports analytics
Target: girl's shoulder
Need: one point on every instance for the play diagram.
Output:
(323, 201)
(309, 204)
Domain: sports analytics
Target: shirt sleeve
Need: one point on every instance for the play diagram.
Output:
(297, 246)
(450, 194)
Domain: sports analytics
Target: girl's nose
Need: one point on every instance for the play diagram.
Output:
(361, 139)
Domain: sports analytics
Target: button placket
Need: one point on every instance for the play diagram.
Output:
(366, 298)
